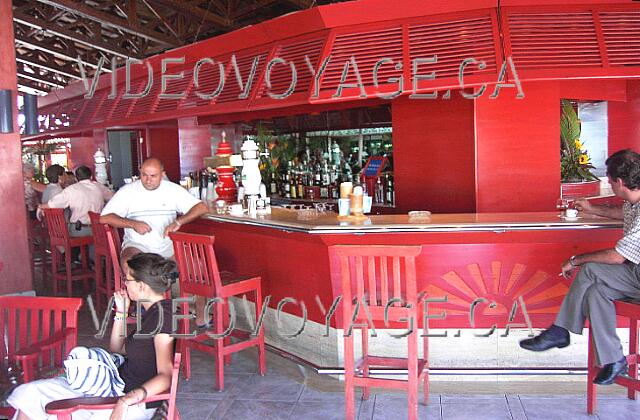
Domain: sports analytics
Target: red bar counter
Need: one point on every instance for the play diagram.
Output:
(483, 264)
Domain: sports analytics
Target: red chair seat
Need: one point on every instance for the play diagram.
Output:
(38, 333)
(59, 237)
(628, 309)
(64, 409)
(199, 276)
(376, 275)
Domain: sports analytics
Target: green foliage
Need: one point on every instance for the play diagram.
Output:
(575, 163)
(281, 150)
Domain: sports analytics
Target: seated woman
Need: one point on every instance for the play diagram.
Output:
(147, 369)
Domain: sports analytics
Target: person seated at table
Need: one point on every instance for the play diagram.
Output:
(82, 197)
(68, 178)
(605, 275)
(149, 361)
(31, 189)
(53, 174)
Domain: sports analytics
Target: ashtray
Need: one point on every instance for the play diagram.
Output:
(419, 214)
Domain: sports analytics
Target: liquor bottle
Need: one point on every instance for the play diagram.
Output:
(317, 175)
(273, 185)
(391, 195)
(286, 193)
(379, 191)
(300, 193)
(204, 179)
(294, 187)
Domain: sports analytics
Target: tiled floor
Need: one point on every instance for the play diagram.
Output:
(293, 391)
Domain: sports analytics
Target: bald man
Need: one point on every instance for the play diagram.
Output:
(148, 210)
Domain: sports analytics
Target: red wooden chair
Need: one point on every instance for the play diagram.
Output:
(64, 409)
(59, 237)
(199, 276)
(376, 275)
(103, 263)
(627, 309)
(37, 333)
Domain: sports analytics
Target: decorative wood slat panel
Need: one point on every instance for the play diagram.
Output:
(93, 105)
(294, 52)
(367, 48)
(622, 37)
(146, 104)
(453, 42)
(570, 39)
(176, 86)
(231, 89)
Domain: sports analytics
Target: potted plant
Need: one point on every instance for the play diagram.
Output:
(575, 163)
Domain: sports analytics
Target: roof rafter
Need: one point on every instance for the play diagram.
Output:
(111, 20)
(49, 48)
(23, 83)
(71, 35)
(68, 71)
(207, 15)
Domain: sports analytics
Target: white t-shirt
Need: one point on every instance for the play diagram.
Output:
(158, 208)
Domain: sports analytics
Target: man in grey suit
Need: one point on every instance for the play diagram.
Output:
(604, 276)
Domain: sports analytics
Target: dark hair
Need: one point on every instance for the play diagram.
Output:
(625, 165)
(83, 173)
(153, 270)
(53, 173)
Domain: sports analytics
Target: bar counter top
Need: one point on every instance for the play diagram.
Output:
(308, 221)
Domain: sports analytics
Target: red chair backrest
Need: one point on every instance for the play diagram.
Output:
(375, 274)
(197, 264)
(99, 235)
(25, 320)
(57, 226)
(113, 244)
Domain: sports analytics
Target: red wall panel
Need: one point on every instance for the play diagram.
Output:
(162, 143)
(195, 144)
(83, 148)
(518, 149)
(15, 261)
(434, 154)
(624, 120)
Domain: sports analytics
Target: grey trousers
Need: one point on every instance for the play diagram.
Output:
(591, 296)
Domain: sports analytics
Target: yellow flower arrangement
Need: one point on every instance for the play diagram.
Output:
(575, 164)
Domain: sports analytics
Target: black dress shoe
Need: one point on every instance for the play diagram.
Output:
(609, 372)
(548, 339)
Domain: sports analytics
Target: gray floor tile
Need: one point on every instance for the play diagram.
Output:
(552, 408)
(608, 409)
(320, 410)
(480, 410)
(203, 386)
(256, 410)
(366, 409)
(516, 408)
(310, 394)
(392, 407)
(272, 387)
(471, 398)
(194, 408)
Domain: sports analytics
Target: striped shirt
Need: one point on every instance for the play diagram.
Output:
(629, 245)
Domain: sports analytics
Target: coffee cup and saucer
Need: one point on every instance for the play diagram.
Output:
(570, 215)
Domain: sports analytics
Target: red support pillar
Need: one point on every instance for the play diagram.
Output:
(15, 261)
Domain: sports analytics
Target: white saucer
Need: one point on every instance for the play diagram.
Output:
(569, 219)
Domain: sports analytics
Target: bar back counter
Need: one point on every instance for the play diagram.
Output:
(498, 273)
